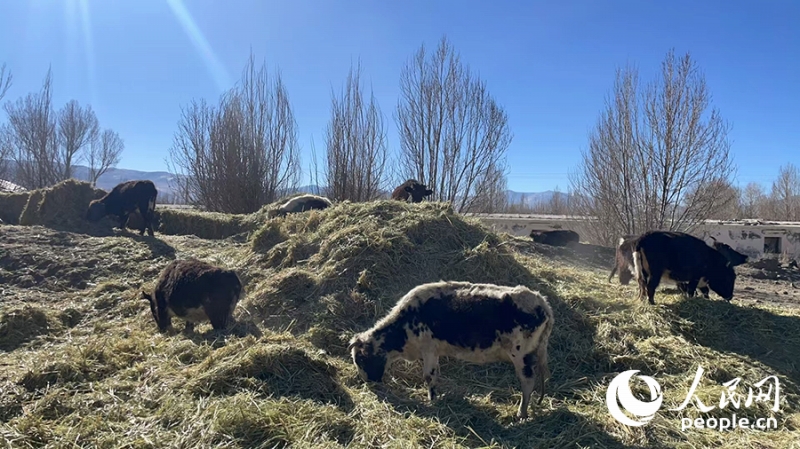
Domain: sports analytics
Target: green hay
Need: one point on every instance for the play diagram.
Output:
(206, 225)
(62, 206)
(365, 255)
(11, 206)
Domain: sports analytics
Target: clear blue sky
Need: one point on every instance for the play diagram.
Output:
(549, 63)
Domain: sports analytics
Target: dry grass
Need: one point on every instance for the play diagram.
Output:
(84, 365)
(11, 206)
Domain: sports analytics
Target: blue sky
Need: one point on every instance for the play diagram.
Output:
(550, 64)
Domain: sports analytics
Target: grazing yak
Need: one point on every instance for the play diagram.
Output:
(734, 257)
(125, 198)
(195, 291)
(624, 262)
(478, 323)
(681, 258)
(623, 259)
(301, 203)
(555, 238)
(413, 188)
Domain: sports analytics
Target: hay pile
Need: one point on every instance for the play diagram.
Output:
(62, 206)
(11, 206)
(359, 258)
(206, 225)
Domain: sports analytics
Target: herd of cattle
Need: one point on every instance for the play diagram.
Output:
(476, 322)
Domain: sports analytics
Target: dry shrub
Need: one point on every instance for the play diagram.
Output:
(63, 207)
(11, 206)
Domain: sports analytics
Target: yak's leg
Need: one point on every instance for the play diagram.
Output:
(430, 372)
(524, 368)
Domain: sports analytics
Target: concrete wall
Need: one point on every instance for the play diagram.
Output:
(522, 225)
(750, 239)
(745, 238)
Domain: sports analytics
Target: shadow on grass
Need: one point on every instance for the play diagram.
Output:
(771, 339)
(157, 247)
(481, 425)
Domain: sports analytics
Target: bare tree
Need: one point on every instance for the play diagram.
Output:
(718, 196)
(5, 81)
(77, 129)
(650, 151)
(33, 138)
(785, 194)
(104, 152)
(451, 130)
(356, 144)
(241, 154)
(491, 192)
(753, 201)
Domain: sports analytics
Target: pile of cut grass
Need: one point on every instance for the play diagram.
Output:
(63, 207)
(359, 258)
(109, 379)
(11, 206)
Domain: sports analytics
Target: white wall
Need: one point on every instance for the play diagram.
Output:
(750, 239)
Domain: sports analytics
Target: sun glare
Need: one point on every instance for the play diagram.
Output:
(213, 64)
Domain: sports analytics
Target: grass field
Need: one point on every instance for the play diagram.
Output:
(82, 364)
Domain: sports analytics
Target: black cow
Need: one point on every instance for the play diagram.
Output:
(413, 188)
(560, 237)
(682, 258)
(125, 198)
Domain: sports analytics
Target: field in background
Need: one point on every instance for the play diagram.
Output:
(83, 364)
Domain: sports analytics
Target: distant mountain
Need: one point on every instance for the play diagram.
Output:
(533, 198)
(163, 181)
(114, 176)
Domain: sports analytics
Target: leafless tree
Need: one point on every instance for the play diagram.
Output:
(649, 151)
(785, 194)
(104, 152)
(753, 201)
(356, 144)
(242, 154)
(491, 192)
(33, 138)
(5, 81)
(77, 129)
(718, 196)
(6, 145)
(451, 129)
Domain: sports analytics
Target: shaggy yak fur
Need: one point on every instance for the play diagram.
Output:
(413, 188)
(300, 204)
(681, 258)
(125, 198)
(195, 291)
(560, 237)
(478, 323)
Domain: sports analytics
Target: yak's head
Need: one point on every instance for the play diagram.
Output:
(722, 281)
(418, 192)
(96, 211)
(369, 360)
(153, 309)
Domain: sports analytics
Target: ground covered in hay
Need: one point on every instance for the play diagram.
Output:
(81, 362)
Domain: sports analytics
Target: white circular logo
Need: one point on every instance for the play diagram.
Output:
(620, 390)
